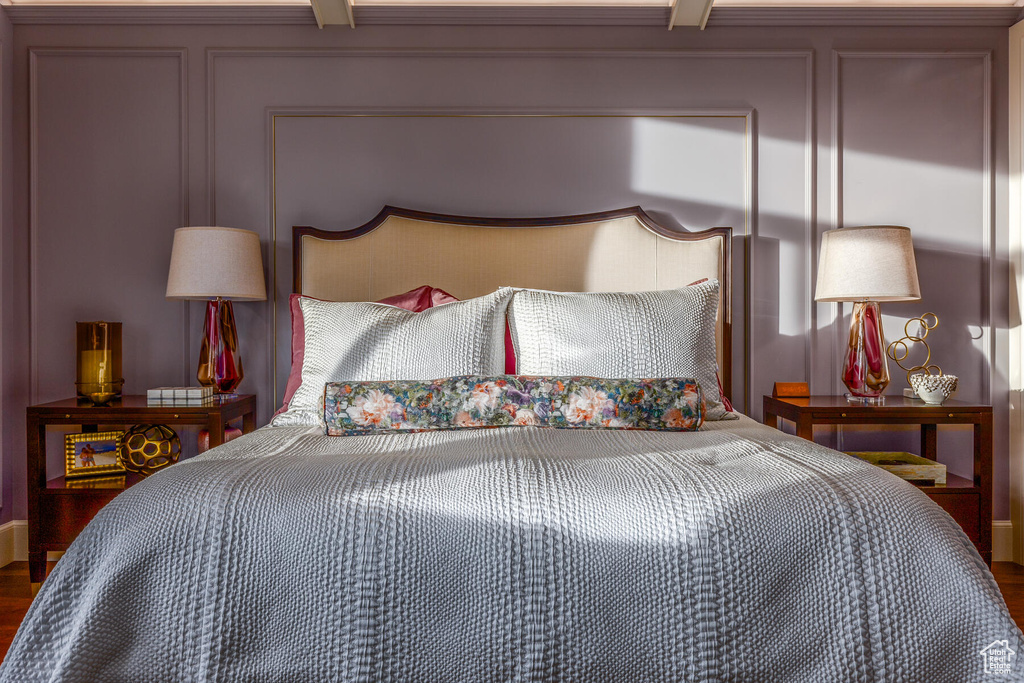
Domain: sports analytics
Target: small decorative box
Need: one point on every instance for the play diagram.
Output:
(180, 396)
(913, 468)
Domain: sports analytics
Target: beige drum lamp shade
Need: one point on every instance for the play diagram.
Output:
(872, 263)
(218, 264)
(211, 262)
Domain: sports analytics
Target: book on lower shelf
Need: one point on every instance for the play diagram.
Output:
(913, 468)
(180, 396)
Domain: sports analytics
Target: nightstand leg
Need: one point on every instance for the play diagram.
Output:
(248, 422)
(983, 478)
(36, 568)
(805, 428)
(36, 466)
(929, 440)
(215, 426)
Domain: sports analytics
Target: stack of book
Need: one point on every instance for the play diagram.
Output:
(180, 396)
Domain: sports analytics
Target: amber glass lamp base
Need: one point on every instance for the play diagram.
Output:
(865, 370)
(220, 364)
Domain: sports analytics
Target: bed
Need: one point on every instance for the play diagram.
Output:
(730, 553)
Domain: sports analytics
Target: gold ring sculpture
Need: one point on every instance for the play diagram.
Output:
(900, 349)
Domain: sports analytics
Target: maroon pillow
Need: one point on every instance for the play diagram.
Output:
(230, 434)
(415, 300)
(419, 299)
(511, 362)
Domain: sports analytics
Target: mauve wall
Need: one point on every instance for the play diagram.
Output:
(124, 133)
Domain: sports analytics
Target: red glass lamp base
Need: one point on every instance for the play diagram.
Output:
(220, 364)
(865, 370)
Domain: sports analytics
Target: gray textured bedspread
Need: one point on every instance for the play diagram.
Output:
(731, 554)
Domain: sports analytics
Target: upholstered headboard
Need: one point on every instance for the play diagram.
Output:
(612, 251)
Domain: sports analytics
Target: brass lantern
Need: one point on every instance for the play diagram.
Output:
(99, 361)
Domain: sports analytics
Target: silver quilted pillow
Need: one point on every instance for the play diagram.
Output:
(360, 341)
(639, 335)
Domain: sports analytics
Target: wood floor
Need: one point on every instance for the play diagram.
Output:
(16, 596)
(1010, 578)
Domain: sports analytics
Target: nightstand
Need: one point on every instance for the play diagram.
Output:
(968, 501)
(59, 509)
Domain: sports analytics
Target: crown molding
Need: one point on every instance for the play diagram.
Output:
(150, 14)
(516, 16)
(864, 16)
(364, 16)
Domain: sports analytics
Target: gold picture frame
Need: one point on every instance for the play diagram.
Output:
(92, 454)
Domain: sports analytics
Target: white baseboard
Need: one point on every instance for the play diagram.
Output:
(1002, 540)
(14, 542)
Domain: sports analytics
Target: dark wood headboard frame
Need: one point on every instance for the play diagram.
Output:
(298, 232)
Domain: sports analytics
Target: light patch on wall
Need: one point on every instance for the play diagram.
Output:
(826, 315)
(892, 328)
(777, 194)
(938, 192)
(792, 299)
(704, 160)
(895, 327)
(978, 339)
(700, 159)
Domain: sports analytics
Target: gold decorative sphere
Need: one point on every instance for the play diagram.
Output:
(148, 448)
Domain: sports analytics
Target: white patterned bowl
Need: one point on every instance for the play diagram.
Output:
(934, 389)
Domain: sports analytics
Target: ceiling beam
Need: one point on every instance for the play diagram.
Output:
(690, 13)
(333, 13)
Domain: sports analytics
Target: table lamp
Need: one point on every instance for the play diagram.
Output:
(867, 265)
(217, 264)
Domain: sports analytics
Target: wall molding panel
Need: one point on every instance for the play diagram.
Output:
(749, 173)
(836, 214)
(36, 55)
(988, 198)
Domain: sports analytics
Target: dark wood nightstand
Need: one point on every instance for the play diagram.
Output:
(59, 509)
(968, 501)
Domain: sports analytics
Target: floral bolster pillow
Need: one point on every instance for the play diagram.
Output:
(667, 404)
